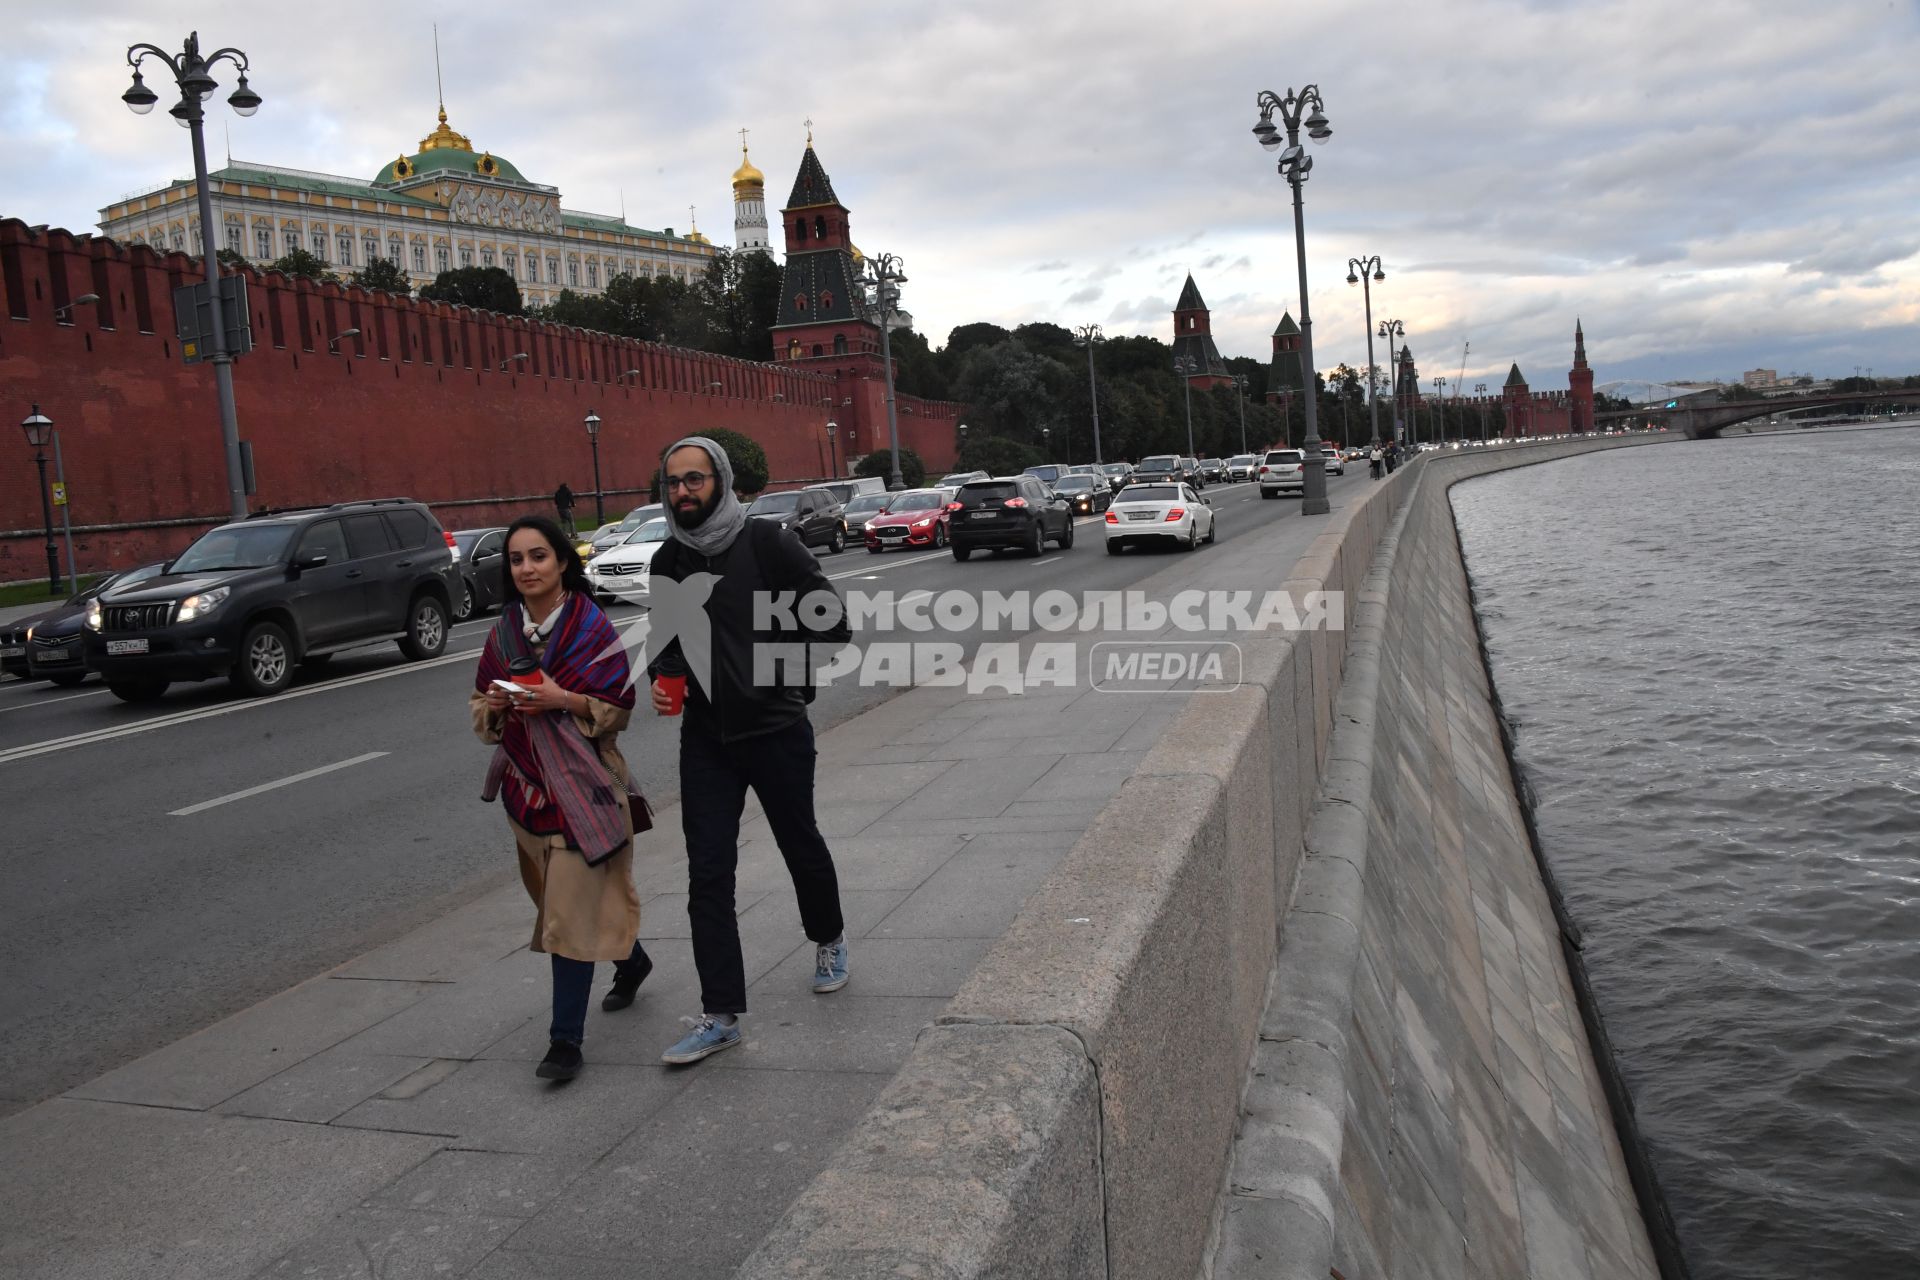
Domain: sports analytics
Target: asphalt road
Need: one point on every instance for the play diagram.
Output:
(147, 897)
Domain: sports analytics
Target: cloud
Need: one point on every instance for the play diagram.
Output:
(1695, 225)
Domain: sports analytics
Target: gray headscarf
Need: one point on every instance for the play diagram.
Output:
(715, 534)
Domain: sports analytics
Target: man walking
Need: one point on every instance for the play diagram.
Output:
(563, 503)
(744, 728)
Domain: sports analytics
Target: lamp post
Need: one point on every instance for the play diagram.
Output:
(593, 437)
(333, 343)
(1186, 367)
(884, 276)
(518, 356)
(1295, 165)
(960, 459)
(80, 301)
(1357, 273)
(1389, 330)
(1439, 399)
(193, 74)
(833, 446)
(1480, 393)
(1240, 386)
(1086, 336)
(39, 429)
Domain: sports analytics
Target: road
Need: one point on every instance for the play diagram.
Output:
(173, 863)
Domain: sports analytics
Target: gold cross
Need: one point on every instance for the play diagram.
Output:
(809, 125)
(743, 142)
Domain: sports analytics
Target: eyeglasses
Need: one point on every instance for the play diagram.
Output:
(691, 480)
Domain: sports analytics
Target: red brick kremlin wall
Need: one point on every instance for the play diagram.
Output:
(415, 405)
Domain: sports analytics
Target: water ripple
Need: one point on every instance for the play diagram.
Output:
(1710, 656)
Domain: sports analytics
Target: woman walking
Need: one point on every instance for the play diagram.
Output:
(557, 768)
(1375, 459)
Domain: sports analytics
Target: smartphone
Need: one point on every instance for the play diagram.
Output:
(509, 688)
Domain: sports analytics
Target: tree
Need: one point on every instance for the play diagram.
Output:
(1012, 391)
(995, 455)
(230, 259)
(485, 288)
(385, 275)
(967, 337)
(739, 296)
(748, 458)
(918, 371)
(302, 265)
(880, 463)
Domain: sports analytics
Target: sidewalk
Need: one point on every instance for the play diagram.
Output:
(384, 1121)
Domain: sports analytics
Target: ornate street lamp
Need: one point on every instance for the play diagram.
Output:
(1390, 329)
(593, 436)
(1187, 367)
(1357, 273)
(1295, 165)
(193, 76)
(833, 445)
(80, 301)
(959, 459)
(1086, 336)
(1439, 423)
(884, 277)
(1480, 392)
(39, 430)
(333, 343)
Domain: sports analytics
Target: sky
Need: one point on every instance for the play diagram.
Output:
(1709, 186)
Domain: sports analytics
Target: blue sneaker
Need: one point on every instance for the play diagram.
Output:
(830, 966)
(708, 1036)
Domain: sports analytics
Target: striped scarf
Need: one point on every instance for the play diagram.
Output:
(544, 763)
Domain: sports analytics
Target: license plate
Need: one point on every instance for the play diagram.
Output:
(126, 646)
(13, 651)
(55, 655)
(1142, 515)
(983, 515)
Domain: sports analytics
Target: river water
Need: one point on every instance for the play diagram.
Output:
(1711, 650)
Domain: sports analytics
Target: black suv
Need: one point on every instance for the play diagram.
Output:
(253, 599)
(811, 513)
(1168, 468)
(1010, 511)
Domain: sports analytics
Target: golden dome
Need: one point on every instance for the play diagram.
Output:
(444, 138)
(859, 258)
(746, 175)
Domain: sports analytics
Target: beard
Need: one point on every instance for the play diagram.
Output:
(691, 514)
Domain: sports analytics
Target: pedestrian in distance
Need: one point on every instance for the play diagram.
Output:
(1376, 461)
(1393, 455)
(740, 731)
(563, 503)
(551, 696)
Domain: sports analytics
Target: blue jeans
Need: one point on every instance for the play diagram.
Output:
(573, 986)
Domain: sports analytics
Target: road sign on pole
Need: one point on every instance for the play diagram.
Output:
(59, 494)
(193, 319)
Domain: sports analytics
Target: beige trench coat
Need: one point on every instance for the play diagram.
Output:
(583, 912)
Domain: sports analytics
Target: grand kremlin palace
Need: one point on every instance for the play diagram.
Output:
(442, 207)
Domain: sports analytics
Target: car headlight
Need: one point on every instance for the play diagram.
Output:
(201, 605)
(94, 620)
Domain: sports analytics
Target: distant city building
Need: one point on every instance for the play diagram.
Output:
(438, 209)
(1759, 378)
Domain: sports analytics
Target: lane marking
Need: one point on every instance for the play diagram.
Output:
(47, 702)
(914, 595)
(1034, 564)
(224, 709)
(273, 786)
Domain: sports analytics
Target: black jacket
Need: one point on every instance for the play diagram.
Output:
(764, 558)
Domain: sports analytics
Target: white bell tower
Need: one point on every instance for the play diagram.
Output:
(749, 205)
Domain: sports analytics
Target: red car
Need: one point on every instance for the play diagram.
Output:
(917, 518)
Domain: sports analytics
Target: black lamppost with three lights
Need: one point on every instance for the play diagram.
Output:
(193, 74)
(1300, 110)
(593, 437)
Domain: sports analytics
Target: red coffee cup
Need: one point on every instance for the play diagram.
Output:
(675, 687)
(526, 672)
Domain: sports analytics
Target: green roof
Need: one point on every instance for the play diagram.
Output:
(313, 182)
(1515, 379)
(450, 159)
(604, 222)
(1286, 327)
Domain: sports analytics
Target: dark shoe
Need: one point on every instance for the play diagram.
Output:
(624, 986)
(561, 1063)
